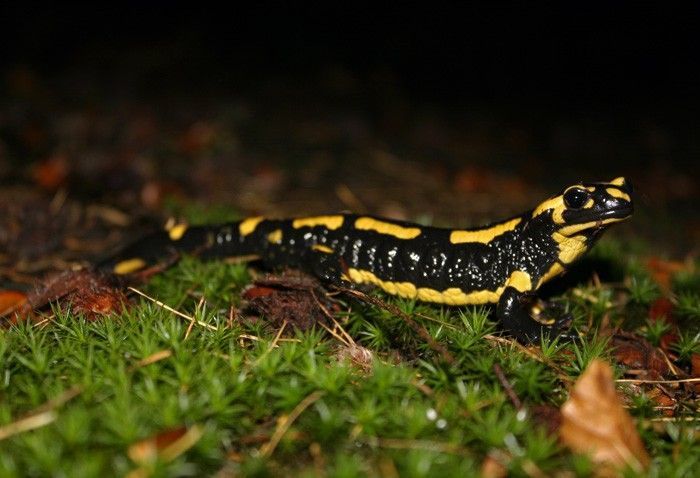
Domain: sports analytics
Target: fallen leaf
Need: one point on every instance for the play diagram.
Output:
(668, 342)
(661, 399)
(90, 294)
(695, 362)
(51, 173)
(661, 309)
(636, 353)
(695, 370)
(492, 468)
(166, 445)
(663, 271)
(10, 301)
(595, 422)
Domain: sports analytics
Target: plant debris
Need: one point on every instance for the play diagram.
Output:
(638, 354)
(290, 297)
(92, 295)
(595, 422)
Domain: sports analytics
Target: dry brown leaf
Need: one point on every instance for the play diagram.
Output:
(695, 369)
(492, 468)
(595, 422)
(11, 300)
(166, 445)
(663, 271)
(637, 353)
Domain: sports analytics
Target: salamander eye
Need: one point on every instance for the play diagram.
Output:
(575, 198)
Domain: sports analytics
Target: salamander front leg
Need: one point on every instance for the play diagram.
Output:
(513, 311)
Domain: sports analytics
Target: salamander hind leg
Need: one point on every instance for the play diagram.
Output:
(515, 309)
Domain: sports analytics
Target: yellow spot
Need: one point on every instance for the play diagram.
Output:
(556, 205)
(247, 226)
(402, 232)
(520, 281)
(570, 247)
(322, 248)
(275, 237)
(618, 181)
(616, 193)
(589, 204)
(329, 222)
(553, 271)
(177, 231)
(451, 296)
(128, 266)
(483, 235)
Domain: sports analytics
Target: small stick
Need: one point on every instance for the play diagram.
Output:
(407, 444)
(283, 425)
(170, 309)
(507, 386)
(41, 416)
(680, 380)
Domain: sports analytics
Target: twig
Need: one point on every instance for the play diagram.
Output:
(284, 424)
(673, 419)
(343, 337)
(530, 353)
(679, 380)
(28, 423)
(273, 344)
(40, 416)
(405, 444)
(170, 309)
(507, 386)
(153, 358)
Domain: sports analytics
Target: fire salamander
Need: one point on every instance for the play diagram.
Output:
(503, 263)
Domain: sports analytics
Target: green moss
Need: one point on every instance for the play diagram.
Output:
(411, 412)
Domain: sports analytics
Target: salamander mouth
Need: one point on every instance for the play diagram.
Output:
(601, 219)
(621, 212)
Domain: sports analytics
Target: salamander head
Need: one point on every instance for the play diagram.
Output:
(586, 209)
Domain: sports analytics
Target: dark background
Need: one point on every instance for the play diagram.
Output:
(503, 100)
(603, 57)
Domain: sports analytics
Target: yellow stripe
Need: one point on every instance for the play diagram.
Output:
(177, 231)
(556, 204)
(618, 181)
(371, 224)
(128, 266)
(329, 222)
(275, 237)
(322, 248)
(451, 296)
(247, 226)
(575, 228)
(616, 193)
(483, 235)
(553, 271)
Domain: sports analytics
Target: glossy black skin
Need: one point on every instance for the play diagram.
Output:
(429, 260)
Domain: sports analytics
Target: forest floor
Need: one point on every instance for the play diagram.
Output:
(218, 368)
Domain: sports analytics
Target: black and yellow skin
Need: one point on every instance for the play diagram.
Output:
(503, 263)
